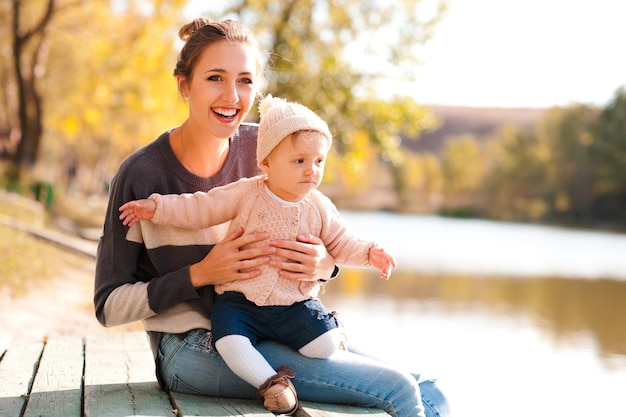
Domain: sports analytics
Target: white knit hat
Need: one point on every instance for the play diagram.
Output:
(280, 118)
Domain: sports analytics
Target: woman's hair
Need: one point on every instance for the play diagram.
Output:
(202, 32)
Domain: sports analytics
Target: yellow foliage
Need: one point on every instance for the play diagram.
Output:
(92, 117)
(70, 127)
(108, 78)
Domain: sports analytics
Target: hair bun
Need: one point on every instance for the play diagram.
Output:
(188, 30)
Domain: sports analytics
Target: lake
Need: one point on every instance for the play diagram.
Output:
(513, 320)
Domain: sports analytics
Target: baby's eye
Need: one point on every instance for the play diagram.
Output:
(299, 161)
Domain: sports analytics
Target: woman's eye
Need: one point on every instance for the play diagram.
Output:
(214, 78)
(246, 81)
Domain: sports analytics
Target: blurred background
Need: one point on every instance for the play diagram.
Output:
(482, 142)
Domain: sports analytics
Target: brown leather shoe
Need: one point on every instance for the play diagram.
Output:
(278, 394)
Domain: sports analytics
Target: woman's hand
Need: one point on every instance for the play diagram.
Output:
(227, 262)
(306, 259)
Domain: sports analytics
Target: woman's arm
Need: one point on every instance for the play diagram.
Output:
(128, 287)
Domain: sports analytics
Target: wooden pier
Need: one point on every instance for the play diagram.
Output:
(111, 375)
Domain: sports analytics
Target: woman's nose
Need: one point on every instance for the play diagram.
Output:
(230, 94)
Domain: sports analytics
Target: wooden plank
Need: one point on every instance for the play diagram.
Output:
(19, 363)
(314, 409)
(201, 406)
(120, 379)
(57, 387)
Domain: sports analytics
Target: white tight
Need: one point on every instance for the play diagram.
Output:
(248, 363)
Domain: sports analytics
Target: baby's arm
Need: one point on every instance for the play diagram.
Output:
(382, 261)
(136, 210)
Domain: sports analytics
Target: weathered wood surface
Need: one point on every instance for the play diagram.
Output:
(111, 375)
(120, 378)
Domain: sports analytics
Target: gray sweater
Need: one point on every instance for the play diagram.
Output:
(144, 274)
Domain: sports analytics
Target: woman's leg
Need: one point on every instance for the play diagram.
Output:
(350, 379)
(191, 365)
(435, 402)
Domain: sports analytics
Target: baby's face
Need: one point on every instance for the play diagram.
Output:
(296, 165)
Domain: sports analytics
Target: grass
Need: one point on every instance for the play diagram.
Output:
(25, 259)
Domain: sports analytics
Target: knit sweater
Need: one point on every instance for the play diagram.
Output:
(142, 272)
(246, 203)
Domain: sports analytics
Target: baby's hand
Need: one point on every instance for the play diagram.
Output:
(382, 261)
(136, 210)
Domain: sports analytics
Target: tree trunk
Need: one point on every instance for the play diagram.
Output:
(29, 101)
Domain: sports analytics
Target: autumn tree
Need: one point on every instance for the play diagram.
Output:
(567, 132)
(108, 85)
(331, 55)
(609, 149)
(28, 25)
(419, 183)
(515, 181)
(83, 73)
(463, 165)
(113, 89)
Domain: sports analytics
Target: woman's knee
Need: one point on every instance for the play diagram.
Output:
(435, 402)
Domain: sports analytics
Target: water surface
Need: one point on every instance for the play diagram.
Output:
(513, 320)
(437, 244)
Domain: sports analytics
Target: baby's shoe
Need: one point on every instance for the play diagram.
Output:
(278, 394)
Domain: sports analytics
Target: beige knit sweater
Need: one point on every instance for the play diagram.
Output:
(246, 203)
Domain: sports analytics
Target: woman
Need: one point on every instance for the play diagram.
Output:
(163, 275)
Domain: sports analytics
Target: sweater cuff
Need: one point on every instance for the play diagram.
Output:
(157, 198)
(332, 276)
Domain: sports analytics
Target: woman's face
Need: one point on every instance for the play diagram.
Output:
(222, 88)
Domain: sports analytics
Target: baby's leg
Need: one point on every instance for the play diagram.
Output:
(325, 345)
(246, 362)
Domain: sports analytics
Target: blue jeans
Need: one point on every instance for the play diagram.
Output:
(191, 365)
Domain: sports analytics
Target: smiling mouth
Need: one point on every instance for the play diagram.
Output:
(226, 113)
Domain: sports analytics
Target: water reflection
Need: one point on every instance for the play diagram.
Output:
(498, 346)
(563, 308)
